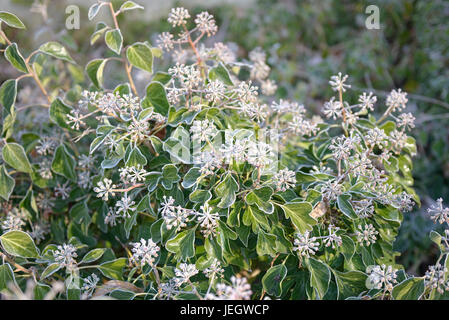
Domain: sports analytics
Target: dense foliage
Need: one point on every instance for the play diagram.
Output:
(202, 187)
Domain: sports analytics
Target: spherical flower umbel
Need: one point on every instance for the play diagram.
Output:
(338, 82)
(366, 234)
(238, 290)
(12, 222)
(178, 16)
(284, 179)
(145, 252)
(397, 100)
(438, 213)
(89, 285)
(435, 278)
(165, 41)
(305, 244)
(207, 220)
(214, 269)
(104, 189)
(381, 277)
(184, 272)
(203, 130)
(65, 255)
(367, 101)
(205, 22)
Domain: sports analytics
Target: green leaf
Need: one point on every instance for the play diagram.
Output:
(114, 40)
(80, 213)
(130, 5)
(320, 276)
(347, 248)
(169, 176)
(63, 163)
(220, 73)
(100, 29)
(350, 284)
(410, 289)
(135, 158)
(93, 255)
(52, 268)
(94, 9)
(266, 244)
(6, 183)
(260, 198)
(140, 56)
(255, 218)
(58, 113)
(19, 243)
(113, 269)
(13, 55)
(56, 50)
(345, 206)
(183, 244)
(14, 155)
(272, 280)
(157, 96)
(8, 94)
(6, 276)
(94, 70)
(191, 177)
(200, 196)
(299, 212)
(226, 190)
(28, 204)
(161, 77)
(11, 20)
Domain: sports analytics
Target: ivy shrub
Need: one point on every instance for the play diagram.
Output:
(201, 187)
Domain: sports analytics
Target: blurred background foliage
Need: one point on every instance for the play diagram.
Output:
(306, 41)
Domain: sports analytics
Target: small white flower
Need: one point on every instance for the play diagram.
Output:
(104, 188)
(165, 41)
(305, 244)
(178, 16)
(333, 109)
(214, 269)
(268, 87)
(364, 208)
(206, 23)
(260, 154)
(46, 146)
(333, 239)
(65, 255)
(203, 130)
(381, 277)
(366, 234)
(406, 120)
(89, 285)
(397, 100)
(377, 137)
(12, 222)
(438, 213)
(238, 290)
(215, 91)
(184, 272)
(145, 252)
(111, 218)
(62, 191)
(338, 82)
(208, 221)
(367, 101)
(435, 278)
(284, 179)
(331, 189)
(124, 205)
